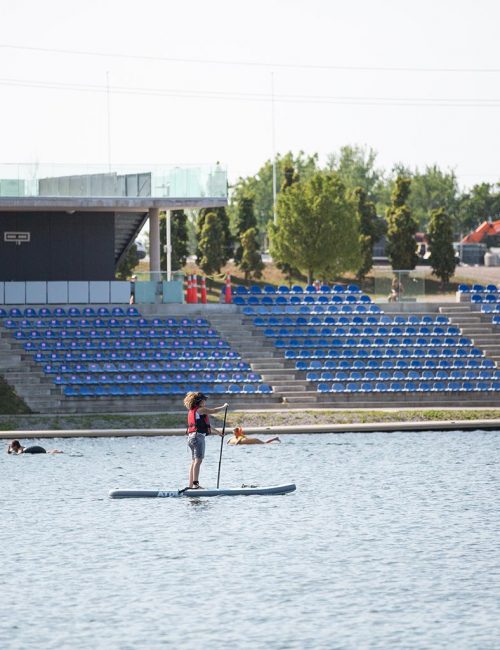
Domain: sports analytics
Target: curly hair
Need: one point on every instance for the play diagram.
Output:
(193, 399)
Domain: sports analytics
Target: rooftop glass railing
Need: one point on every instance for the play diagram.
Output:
(125, 181)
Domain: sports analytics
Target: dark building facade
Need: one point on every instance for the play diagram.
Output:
(43, 245)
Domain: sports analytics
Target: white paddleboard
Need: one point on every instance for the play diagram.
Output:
(209, 492)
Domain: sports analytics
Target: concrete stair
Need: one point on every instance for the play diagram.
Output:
(257, 350)
(475, 326)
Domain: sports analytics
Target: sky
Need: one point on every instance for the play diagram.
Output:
(200, 81)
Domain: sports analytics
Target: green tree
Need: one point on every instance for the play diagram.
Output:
(355, 166)
(260, 185)
(316, 227)
(440, 238)
(290, 176)
(430, 190)
(401, 228)
(127, 264)
(251, 261)
(245, 219)
(371, 228)
(223, 218)
(211, 245)
(476, 206)
(178, 238)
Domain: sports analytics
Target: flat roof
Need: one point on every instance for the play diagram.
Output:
(132, 187)
(106, 204)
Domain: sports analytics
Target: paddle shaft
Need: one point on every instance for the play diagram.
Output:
(221, 445)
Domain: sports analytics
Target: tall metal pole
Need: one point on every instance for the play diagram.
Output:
(274, 147)
(169, 246)
(109, 120)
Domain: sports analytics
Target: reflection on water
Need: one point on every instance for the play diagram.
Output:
(391, 541)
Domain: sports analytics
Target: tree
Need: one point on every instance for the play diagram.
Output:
(251, 261)
(355, 166)
(440, 238)
(260, 185)
(223, 218)
(401, 228)
(476, 206)
(127, 264)
(430, 190)
(371, 228)
(211, 245)
(178, 238)
(290, 176)
(316, 227)
(245, 219)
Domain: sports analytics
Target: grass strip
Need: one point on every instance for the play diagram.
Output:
(243, 418)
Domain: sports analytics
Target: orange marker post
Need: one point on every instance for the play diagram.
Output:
(228, 298)
(188, 288)
(195, 288)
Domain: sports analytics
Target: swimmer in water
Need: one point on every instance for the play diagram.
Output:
(15, 447)
(241, 438)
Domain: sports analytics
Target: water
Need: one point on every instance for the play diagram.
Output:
(391, 541)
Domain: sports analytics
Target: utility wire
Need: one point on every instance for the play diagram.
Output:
(253, 96)
(254, 64)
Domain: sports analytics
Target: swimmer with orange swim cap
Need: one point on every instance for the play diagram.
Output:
(241, 438)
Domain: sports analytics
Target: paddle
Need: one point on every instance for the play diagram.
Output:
(221, 445)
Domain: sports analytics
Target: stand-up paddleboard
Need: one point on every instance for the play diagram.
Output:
(210, 492)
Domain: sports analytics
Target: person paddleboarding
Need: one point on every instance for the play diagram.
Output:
(198, 427)
(241, 438)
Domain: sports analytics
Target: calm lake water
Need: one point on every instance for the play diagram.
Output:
(391, 541)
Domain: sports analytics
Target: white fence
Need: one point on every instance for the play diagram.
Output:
(60, 293)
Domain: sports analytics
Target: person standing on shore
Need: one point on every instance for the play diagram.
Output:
(198, 427)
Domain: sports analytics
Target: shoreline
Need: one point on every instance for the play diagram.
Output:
(367, 427)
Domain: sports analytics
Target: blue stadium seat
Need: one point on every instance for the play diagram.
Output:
(240, 300)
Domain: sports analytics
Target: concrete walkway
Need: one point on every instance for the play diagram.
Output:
(437, 425)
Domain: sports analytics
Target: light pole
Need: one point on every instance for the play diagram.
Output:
(274, 147)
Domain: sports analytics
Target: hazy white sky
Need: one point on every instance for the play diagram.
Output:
(174, 100)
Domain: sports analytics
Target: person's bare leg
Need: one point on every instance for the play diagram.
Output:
(196, 469)
(275, 439)
(191, 471)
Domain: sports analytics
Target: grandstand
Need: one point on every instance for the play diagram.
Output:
(316, 348)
